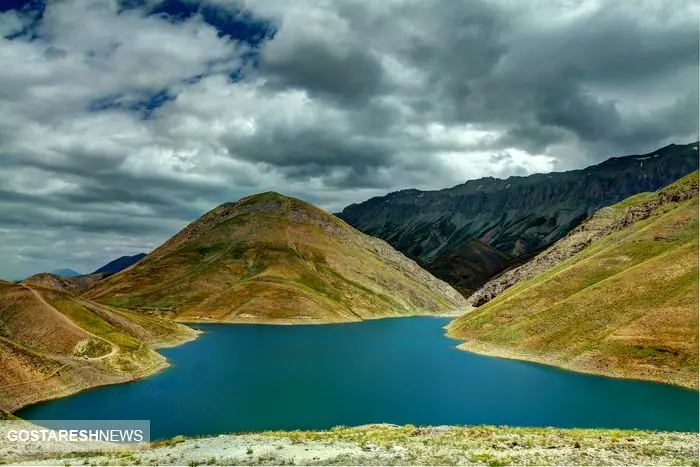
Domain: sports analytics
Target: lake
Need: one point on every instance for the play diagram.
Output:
(258, 377)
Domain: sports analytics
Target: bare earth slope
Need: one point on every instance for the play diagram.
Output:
(53, 344)
(270, 258)
(624, 306)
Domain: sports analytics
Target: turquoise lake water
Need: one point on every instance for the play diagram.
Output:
(248, 378)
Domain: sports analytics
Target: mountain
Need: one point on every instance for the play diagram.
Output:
(53, 344)
(625, 305)
(60, 280)
(270, 258)
(603, 222)
(120, 264)
(64, 283)
(66, 272)
(467, 234)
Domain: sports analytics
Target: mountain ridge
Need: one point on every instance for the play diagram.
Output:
(66, 272)
(119, 264)
(625, 305)
(603, 222)
(468, 233)
(78, 282)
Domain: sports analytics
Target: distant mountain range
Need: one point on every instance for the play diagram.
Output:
(66, 272)
(270, 258)
(120, 264)
(69, 279)
(467, 234)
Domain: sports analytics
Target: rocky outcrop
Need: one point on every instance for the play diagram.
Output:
(603, 222)
(467, 234)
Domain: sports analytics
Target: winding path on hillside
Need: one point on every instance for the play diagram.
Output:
(69, 322)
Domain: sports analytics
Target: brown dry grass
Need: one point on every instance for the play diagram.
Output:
(275, 259)
(52, 344)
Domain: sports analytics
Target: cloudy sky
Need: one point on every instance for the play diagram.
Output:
(121, 121)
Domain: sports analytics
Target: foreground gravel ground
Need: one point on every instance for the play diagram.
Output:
(408, 445)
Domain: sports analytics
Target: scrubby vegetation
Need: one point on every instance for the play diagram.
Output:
(410, 445)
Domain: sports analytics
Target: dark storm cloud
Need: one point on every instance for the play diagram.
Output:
(539, 82)
(348, 73)
(120, 121)
(311, 152)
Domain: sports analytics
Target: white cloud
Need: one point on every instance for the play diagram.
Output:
(351, 99)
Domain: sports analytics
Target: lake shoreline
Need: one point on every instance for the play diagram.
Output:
(313, 322)
(264, 336)
(481, 348)
(81, 387)
(192, 335)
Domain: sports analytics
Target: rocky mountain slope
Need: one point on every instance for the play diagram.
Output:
(626, 305)
(467, 234)
(269, 258)
(601, 223)
(53, 344)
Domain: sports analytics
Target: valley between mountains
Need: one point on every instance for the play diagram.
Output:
(592, 270)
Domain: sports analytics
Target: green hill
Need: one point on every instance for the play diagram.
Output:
(270, 258)
(624, 306)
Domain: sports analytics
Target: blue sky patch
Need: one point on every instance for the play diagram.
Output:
(145, 105)
(32, 12)
(240, 25)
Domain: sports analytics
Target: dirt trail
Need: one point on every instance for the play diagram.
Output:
(65, 319)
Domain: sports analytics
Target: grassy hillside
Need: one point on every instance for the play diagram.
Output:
(53, 344)
(624, 306)
(269, 258)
